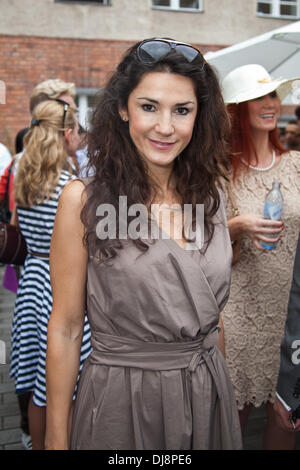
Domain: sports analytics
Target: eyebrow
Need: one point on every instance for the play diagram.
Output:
(156, 102)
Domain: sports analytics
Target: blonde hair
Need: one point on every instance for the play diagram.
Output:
(45, 155)
(50, 89)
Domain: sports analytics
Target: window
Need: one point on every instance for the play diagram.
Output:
(99, 2)
(85, 98)
(183, 5)
(279, 8)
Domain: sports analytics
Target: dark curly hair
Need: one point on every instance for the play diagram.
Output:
(117, 167)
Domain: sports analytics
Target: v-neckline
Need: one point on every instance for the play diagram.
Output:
(168, 238)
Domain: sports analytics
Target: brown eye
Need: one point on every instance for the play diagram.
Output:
(273, 94)
(182, 111)
(148, 107)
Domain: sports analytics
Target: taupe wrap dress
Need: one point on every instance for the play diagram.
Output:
(155, 379)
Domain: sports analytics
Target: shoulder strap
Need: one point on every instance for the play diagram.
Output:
(7, 182)
(232, 199)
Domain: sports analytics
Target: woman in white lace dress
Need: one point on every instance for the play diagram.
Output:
(255, 315)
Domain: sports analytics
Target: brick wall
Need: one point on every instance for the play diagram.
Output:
(26, 61)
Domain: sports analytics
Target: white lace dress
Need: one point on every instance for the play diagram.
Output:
(255, 314)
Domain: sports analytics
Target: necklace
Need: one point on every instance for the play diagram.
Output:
(262, 169)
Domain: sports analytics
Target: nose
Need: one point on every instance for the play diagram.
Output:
(164, 124)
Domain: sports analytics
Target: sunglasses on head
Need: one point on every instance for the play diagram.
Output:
(66, 107)
(153, 50)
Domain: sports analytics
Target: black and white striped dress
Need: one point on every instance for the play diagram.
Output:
(34, 300)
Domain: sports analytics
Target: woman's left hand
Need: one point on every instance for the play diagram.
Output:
(256, 228)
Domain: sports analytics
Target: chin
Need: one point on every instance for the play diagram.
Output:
(267, 127)
(272, 125)
(163, 163)
(271, 128)
(162, 160)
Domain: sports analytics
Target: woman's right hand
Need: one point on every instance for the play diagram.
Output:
(256, 228)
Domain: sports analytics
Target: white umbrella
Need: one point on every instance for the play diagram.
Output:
(278, 51)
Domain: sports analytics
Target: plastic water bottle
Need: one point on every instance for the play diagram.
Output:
(273, 210)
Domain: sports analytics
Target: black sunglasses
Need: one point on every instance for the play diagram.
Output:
(66, 107)
(152, 50)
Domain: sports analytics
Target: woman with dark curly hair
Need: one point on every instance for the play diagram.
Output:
(155, 378)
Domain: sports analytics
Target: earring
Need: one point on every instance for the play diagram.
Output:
(124, 118)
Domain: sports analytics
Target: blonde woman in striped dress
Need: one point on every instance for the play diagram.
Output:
(43, 172)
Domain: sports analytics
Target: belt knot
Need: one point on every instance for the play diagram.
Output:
(202, 354)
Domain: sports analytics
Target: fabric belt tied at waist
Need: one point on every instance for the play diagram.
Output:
(112, 350)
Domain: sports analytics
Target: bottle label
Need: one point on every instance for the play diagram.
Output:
(272, 211)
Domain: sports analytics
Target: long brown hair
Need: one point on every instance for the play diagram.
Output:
(242, 144)
(117, 166)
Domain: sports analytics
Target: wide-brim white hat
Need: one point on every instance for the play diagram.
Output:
(252, 81)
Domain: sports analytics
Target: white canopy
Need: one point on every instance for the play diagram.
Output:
(278, 51)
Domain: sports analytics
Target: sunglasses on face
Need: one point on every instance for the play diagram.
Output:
(152, 50)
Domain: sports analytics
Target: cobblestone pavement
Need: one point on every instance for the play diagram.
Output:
(10, 432)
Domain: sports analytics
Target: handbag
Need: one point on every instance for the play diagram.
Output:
(13, 249)
(235, 212)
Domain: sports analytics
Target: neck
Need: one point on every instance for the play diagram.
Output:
(263, 147)
(164, 179)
